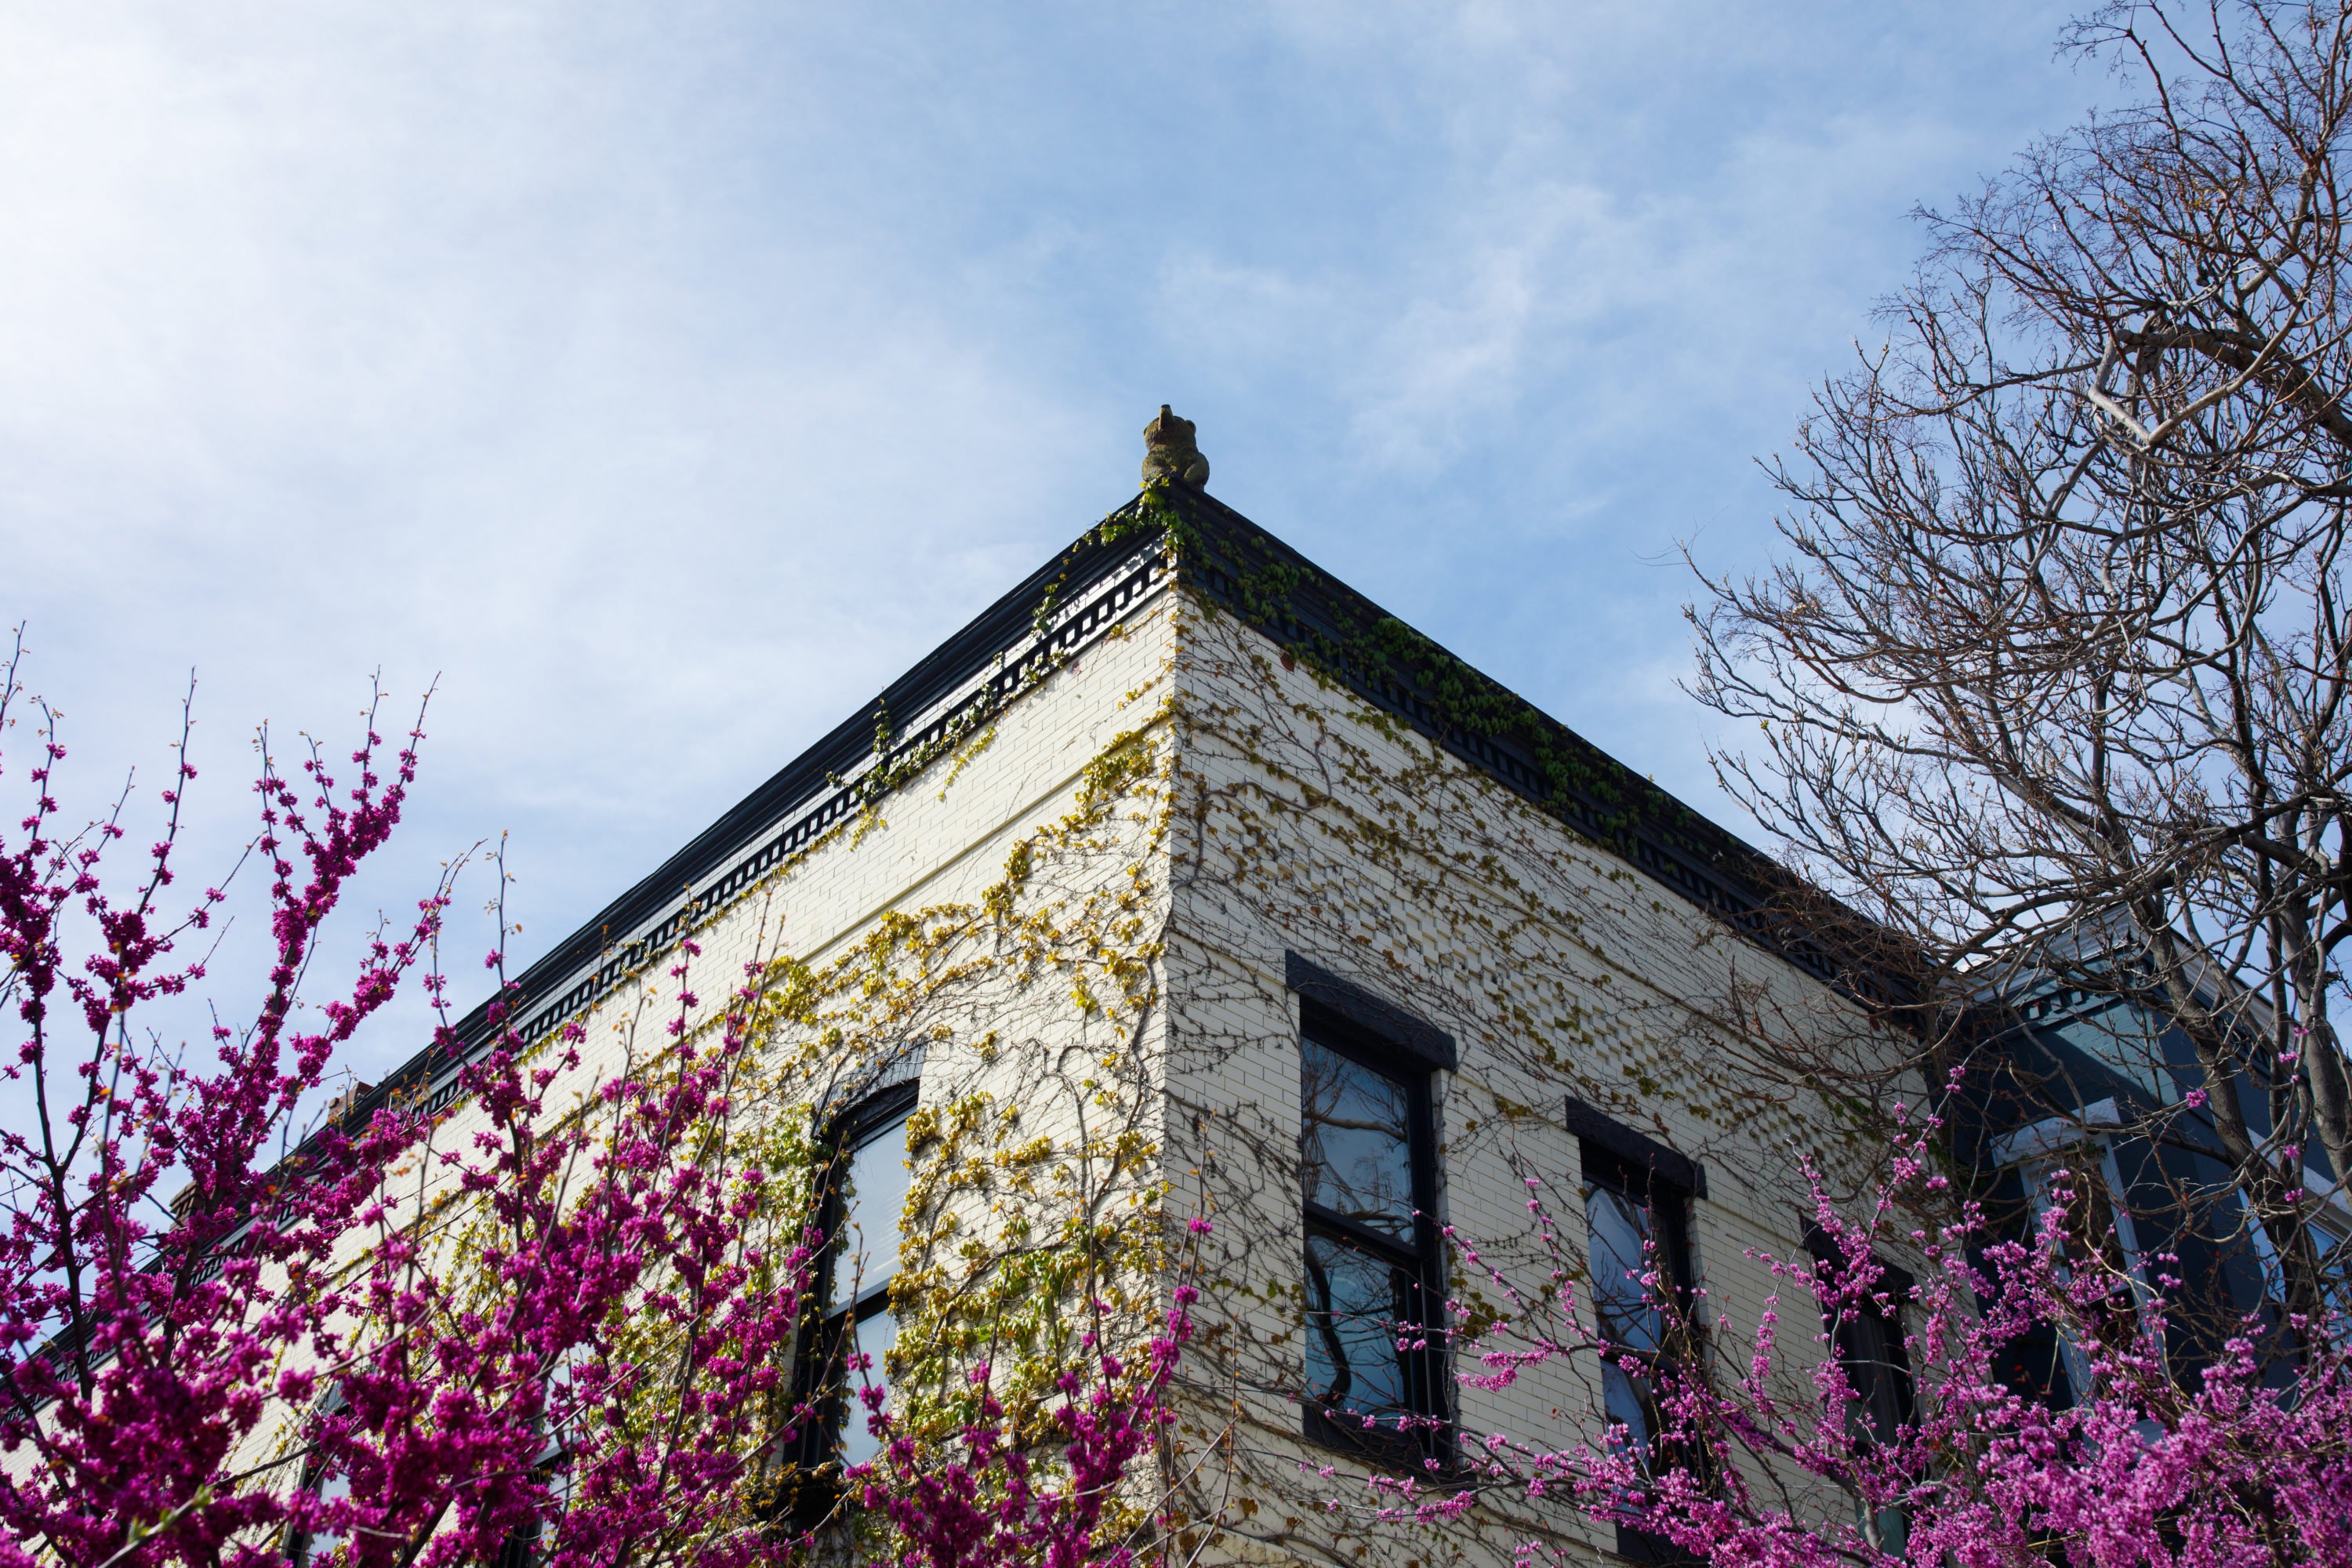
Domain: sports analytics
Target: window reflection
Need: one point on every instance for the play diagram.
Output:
(1355, 1305)
(876, 1334)
(1620, 1233)
(1637, 1261)
(1373, 1371)
(2334, 1266)
(1356, 1138)
(1626, 1400)
(2335, 1254)
(873, 1201)
(320, 1547)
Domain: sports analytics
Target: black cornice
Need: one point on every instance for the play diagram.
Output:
(1056, 609)
(1229, 563)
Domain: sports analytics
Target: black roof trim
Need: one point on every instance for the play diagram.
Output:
(1054, 611)
(1229, 560)
(1233, 564)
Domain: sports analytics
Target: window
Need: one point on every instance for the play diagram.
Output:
(1375, 1298)
(1637, 1195)
(524, 1546)
(327, 1483)
(2071, 1159)
(2333, 1247)
(1868, 1340)
(528, 1546)
(316, 1548)
(865, 1194)
(2335, 1268)
(2098, 1236)
(2097, 1226)
(1639, 1260)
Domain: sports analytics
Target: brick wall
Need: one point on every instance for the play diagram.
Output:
(1310, 823)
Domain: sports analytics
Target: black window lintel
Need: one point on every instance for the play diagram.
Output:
(1892, 1279)
(868, 1112)
(1368, 1010)
(1637, 1150)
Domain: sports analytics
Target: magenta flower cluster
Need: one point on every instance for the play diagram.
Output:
(145, 1326)
(222, 1345)
(1769, 1460)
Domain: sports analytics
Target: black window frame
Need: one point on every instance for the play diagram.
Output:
(1884, 1399)
(1665, 1184)
(1431, 1442)
(1889, 1392)
(822, 1383)
(302, 1545)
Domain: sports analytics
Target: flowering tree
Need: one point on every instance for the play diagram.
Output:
(142, 1346)
(572, 1328)
(988, 1506)
(1784, 1455)
(559, 1315)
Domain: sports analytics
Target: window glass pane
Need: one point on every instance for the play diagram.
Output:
(1356, 1138)
(2127, 1040)
(1894, 1530)
(1627, 1403)
(2095, 1231)
(1617, 1228)
(876, 1333)
(322, 1544)
(2335, 1261)
(877, 1197)
(2335, 1264)
(2265, 1253)
(1866, 1346)
(2335, 1280)
(1355, 1302)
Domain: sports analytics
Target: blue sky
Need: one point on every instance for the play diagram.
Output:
(668, 378)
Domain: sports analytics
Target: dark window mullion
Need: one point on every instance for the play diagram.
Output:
(1406, 1260)
(1408, 1254)
(1370, 1238)
(825, 1375)
(1410, 1261)
(1668, 1207)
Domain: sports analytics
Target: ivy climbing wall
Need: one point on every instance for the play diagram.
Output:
(986, 924)
(989, 926)
(1310, 822)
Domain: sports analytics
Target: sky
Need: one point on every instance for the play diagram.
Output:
(663, 381)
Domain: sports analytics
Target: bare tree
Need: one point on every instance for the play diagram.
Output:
(2055, 675)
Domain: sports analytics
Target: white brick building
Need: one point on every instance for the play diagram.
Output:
(1184, 879)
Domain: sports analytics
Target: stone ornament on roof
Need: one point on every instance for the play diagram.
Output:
(1169, 452)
